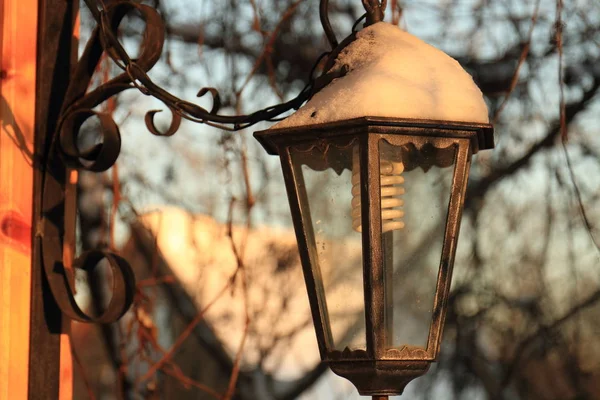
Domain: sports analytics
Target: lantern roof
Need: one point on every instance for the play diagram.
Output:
(391, 73)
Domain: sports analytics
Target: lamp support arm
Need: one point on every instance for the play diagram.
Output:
(80, 103)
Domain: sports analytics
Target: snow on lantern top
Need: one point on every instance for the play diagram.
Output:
(392, 73)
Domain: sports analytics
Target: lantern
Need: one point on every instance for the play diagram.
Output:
(376, 202)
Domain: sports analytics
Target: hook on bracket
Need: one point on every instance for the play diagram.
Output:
(375, 11)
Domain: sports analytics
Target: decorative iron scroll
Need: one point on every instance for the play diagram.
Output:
(78, 106)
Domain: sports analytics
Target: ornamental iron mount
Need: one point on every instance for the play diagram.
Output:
(62, 152)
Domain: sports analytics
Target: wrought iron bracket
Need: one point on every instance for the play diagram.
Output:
(62, 152)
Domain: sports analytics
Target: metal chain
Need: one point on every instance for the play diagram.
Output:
(139, 78)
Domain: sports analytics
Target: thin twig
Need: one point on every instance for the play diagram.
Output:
(186, 380)
(240, 267)
(563, 123)
(82, 372)
(524, 345)
(116, 200)
(188, 330)
(522, 58)
(558, 26)
(268, 47)
(586, 221)
(156, 281)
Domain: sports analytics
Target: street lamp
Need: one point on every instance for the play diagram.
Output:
(370, 160)
(388, 127)
(354, 147)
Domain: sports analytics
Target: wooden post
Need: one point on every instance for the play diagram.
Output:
(17, 113)
(35, 359)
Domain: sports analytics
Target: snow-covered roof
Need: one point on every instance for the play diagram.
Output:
(394, 74)
(281, 335)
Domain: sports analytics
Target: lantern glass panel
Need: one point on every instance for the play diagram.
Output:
(326, 173)
(416, 182)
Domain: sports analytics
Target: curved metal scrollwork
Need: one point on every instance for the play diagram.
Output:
(65, 153)
(79, 106)
(135, 70)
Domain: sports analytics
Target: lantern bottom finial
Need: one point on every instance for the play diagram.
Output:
(382, 377)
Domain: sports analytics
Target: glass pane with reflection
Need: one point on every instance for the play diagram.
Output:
(416, 180)
(331, 180)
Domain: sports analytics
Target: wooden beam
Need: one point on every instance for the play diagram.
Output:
(17, 114)
(50, 372)
(35, 357)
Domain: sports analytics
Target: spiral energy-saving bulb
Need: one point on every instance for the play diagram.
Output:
(391, 190)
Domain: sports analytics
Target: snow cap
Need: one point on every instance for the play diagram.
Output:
(392, 73)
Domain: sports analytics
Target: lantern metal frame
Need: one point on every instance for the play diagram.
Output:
(376, 371)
